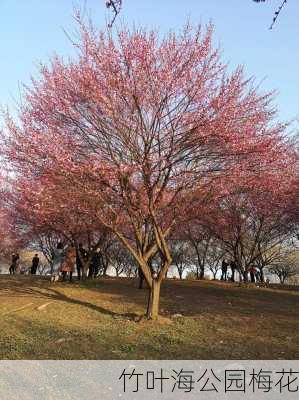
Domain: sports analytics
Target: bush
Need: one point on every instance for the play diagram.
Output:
(191, 276)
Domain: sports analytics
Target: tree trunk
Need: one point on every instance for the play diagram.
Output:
(140, 285)
(282, 279)
(180, 272)
(154, 300)
(202, 272)
(141, 278)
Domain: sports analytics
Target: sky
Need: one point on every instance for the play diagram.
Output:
(32, 30)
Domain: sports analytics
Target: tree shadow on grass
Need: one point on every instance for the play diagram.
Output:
(194, 298)
(237, 312)
(47, 292)
(190, 298)
(53, 294)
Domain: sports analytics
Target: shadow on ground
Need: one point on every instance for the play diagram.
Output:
(96, 320)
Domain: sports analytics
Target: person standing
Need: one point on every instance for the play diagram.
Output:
(68, 263)
(252, 272)
(258, 276)
(233, 267)
(14, 263)
(95, 263)
(81, 255)
(34, 265)
(224, 266)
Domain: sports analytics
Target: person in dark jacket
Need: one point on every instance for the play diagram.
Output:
(34, 265)
(81, 254)
(95, 264)
(252, 272)
(233, 267)
(14, 263)
(224, 266)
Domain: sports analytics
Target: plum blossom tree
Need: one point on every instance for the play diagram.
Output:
(122, 135)
(255, 221)
(42, 215)
(8, 241)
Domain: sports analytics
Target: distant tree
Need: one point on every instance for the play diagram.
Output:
(286, 268)
(181, 256)
(214, 257)
(47, 243)
(201, 245)
(104, 255)
(122, 261)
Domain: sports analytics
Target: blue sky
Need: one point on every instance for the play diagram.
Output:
(32, 30)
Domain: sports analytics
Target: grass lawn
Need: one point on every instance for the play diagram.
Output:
(95, 320)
